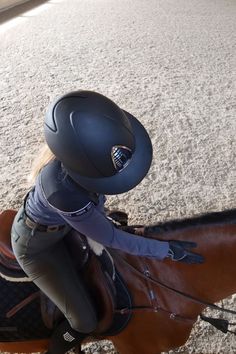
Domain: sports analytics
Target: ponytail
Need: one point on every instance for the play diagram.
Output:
(44, 157)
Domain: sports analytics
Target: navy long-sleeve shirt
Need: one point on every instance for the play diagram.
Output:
(56, 199)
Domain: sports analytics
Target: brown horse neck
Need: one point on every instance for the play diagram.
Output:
(215, 278)
(211, 281)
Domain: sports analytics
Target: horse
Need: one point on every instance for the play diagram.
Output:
(167, 296)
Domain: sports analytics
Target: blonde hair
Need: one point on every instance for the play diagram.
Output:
(43, 158)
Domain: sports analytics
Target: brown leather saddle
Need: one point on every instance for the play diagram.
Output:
(97, 279)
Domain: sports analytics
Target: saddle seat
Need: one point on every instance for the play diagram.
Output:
(98, 274)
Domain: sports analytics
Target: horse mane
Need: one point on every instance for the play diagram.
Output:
(220, 217)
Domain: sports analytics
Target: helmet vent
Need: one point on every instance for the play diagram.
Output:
(121, 156)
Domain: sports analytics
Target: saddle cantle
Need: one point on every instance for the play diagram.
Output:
(106, 289)
(9, 267)
(6, 220)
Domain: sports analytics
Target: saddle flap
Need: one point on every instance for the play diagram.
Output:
(49, 311)
(95, 276)
(101, 289)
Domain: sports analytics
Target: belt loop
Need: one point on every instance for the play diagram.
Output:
(33, 231)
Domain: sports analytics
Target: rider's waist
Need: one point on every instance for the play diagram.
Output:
(40, 227)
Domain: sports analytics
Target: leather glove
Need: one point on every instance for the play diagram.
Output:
(179, 251)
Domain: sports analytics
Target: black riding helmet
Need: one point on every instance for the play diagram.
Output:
(103, 148)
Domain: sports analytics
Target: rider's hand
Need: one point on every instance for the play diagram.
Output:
(179, 251)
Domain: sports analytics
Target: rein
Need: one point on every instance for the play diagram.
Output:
(220, 324)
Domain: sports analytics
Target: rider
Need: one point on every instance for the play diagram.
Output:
(93, 148)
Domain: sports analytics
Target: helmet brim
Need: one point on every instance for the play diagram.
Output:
(131, 175)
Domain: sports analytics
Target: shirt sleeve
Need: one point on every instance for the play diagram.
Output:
(96, 226)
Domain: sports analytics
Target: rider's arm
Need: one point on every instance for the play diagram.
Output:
(96, 226)
(62, 196)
